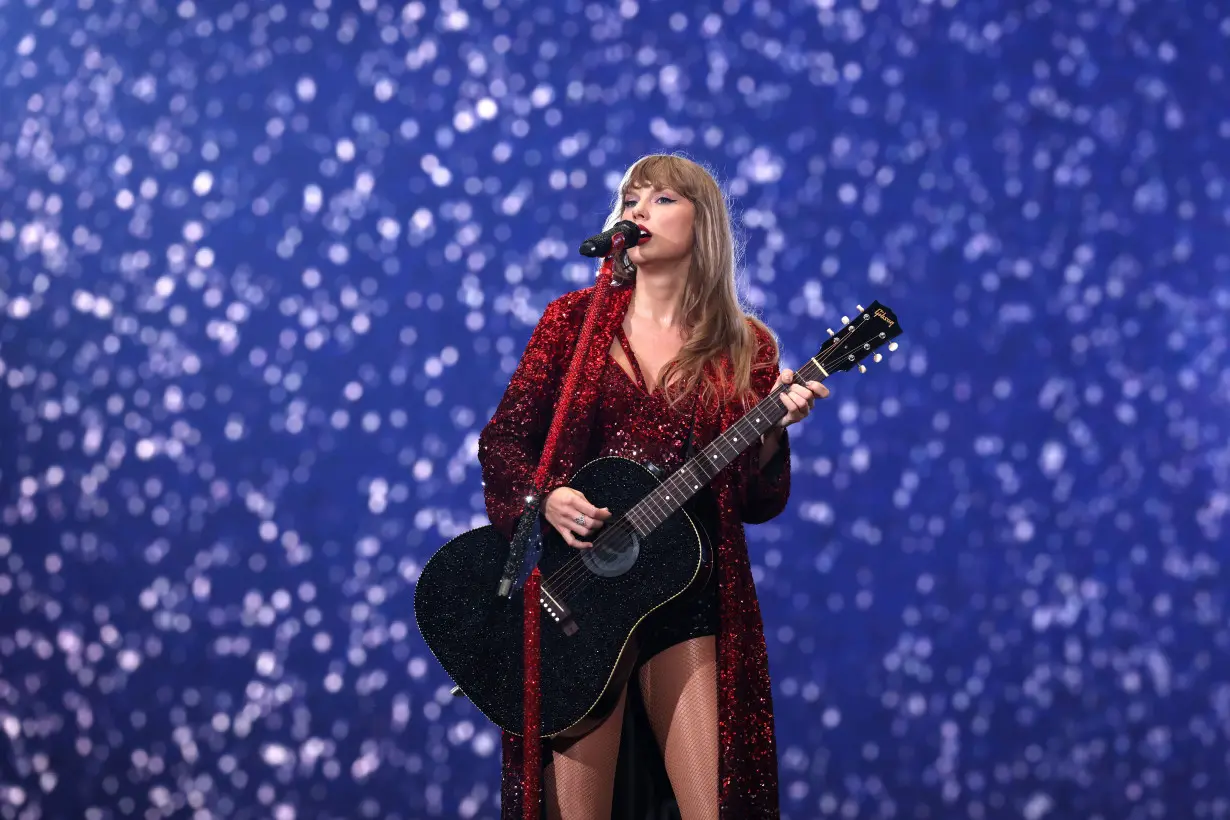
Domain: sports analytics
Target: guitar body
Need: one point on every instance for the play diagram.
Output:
(588, 656)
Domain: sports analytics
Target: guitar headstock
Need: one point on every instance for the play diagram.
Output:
(863, 335)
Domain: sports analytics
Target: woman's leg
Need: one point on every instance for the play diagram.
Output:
(580, 777)
(679, 686)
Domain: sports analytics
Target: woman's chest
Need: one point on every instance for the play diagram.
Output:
(643, 352)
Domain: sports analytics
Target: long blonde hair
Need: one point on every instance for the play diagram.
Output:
(712, 318)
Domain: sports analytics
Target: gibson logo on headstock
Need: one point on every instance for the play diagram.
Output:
(880, 314)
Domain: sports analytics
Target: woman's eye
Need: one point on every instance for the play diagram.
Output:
(628, 203)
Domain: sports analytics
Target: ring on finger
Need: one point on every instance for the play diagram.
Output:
(580, 519)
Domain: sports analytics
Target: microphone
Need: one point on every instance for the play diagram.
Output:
(600, 245)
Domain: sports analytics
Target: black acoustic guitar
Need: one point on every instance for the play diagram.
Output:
(649, 552)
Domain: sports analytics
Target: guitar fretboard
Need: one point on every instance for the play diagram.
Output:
(649, 513)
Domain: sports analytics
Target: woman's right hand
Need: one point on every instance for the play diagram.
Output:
(573, 517)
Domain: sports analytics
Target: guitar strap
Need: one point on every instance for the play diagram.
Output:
(688, 449)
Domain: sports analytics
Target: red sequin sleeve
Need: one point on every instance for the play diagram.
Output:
(510, 445)
(765, 488)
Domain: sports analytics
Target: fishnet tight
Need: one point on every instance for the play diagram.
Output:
(679, 688)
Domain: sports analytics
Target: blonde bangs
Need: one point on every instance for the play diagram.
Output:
(664, 172)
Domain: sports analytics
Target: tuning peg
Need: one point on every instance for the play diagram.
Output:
(859, 308)
(862, 368)
(877, 357)
(830, 330)
(845, 320)
(892, 345)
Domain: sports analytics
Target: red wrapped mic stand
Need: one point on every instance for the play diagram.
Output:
(531, 787)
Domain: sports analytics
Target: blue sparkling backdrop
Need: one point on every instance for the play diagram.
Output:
(265, 270)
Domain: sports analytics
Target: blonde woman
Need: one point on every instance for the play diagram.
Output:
(674, 361)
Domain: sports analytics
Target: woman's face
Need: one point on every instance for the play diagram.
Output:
(668, 217)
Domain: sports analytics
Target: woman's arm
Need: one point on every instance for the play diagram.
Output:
(510, 445)
(766, 480)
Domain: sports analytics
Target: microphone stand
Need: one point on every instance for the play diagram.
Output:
(531, 775)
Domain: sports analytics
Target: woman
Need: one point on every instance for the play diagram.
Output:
(674, 360)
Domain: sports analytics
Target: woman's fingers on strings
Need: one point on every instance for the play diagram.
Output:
(578, 529)
(798, 401)
(811, 388)
(814, 390)
(571, 539)
(581, 522)
(818, 390)
(589, 510)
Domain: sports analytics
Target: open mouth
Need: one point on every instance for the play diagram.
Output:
(645, 234)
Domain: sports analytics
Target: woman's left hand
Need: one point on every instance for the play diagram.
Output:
(798, 399)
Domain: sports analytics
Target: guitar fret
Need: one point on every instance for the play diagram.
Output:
(702, 467)
(656, 510)
(637, 523)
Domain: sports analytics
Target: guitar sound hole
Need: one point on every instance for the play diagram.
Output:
(613, 555)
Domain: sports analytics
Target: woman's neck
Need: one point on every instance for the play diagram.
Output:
(658, 297)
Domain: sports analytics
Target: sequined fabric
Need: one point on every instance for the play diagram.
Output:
(508, 453)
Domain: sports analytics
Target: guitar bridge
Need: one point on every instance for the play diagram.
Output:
(558, 610)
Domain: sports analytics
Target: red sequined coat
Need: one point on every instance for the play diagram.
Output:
(509, 450)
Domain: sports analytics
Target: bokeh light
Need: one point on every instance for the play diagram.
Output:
(265, 270)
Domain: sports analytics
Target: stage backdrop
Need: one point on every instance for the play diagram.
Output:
(265, 270)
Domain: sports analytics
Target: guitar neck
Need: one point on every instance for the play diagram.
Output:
(669, 497)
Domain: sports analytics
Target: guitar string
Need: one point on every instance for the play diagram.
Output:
(574, 569)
